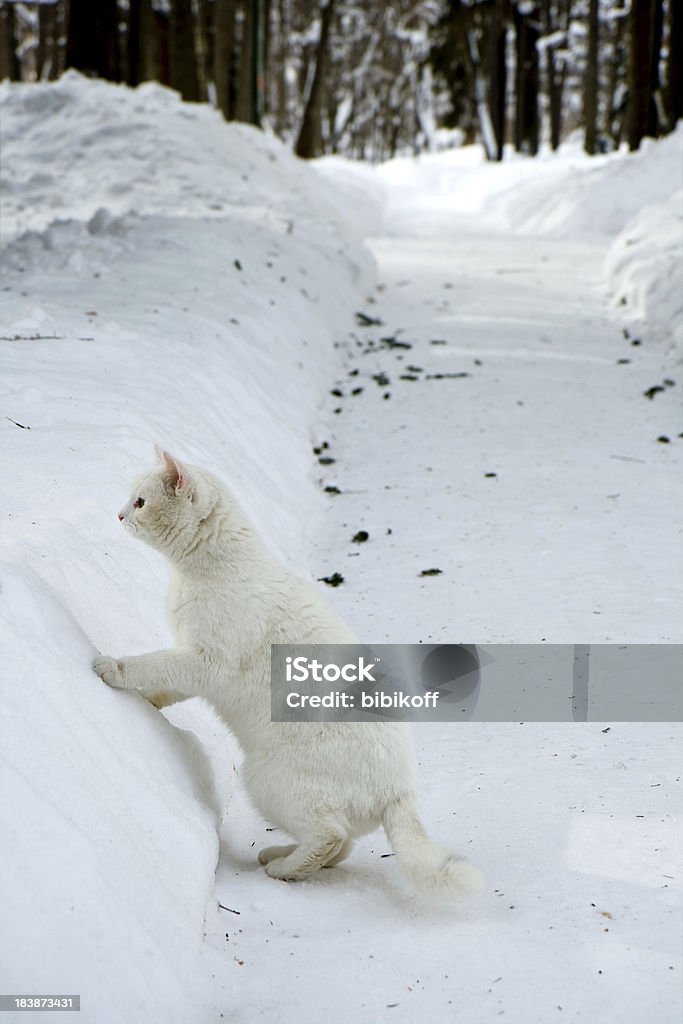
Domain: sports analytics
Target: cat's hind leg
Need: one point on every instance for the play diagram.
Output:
(273, 852)
(340, 856)
(307, 857)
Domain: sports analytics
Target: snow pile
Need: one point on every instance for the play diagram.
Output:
(170, 279)
(572, 195)
(644, 269)
(246, 258)
(109, 826)
(75, 145)
(565, 194)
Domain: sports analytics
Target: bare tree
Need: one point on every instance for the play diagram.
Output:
(9, 60)
(617, 69)
(655, 111)
(244, 100)
(183, 52)
(223, 62)
(640, 70)
(135, 72)
(590, 85)
(309, 142)
(674, 68)
(372, 79)
(526, 78)
(556, 21)
(92, 44)
(498, 73)
(46, 50)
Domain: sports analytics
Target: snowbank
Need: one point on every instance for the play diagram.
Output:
(571, 195)
(171, 279)
(109, 820)
(644, 270)
(75, 145)
(565, 194)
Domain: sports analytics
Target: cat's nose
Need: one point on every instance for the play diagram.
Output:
(121, 517)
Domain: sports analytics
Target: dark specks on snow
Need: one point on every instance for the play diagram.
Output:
(335, 580)
(364, 320)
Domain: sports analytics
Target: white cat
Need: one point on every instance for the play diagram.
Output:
(229, 600)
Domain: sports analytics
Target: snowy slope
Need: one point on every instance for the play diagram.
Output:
(165, 278)
(644, 271)
(108, 819)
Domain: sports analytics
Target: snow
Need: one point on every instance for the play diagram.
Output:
(126, 320)
(109, 825)
(170, 278)
(645, 273)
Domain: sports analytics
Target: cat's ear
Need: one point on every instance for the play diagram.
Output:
(175, 472)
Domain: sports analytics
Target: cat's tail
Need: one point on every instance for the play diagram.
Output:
(432, 872)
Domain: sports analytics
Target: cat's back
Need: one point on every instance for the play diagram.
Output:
(302, 614)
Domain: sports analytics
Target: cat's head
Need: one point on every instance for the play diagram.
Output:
(168, 505)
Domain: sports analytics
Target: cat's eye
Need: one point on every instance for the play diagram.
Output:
(138, 503)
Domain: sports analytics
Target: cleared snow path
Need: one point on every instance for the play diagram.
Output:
(575, 538)
(509, 445)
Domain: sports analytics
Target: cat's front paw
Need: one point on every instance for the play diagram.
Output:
(109, 670)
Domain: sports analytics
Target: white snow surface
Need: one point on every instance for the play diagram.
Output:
(169, 278)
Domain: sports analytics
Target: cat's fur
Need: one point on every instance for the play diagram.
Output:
(229, 600)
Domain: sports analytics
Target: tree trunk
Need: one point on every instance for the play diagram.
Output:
(654, 120)
(183, 55)
(488, 135)
(674, 77)
(498, 75)
(46, 51)
(640, 70)
(92, 44)
(9, 61)
(134, 69)
(526, 76)
(280, 71)
(224, 41)
(244, 103)
(309, 143)
(148, 57)
(204, 45)
(590, 85)
(613, 123)
(265, 60)
(258, 69)
(156, 42)
(556, 78)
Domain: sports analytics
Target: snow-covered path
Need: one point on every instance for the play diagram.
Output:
(171, 278)
(576, 826)
(515, 368)
(577, 832)
(510, 446)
